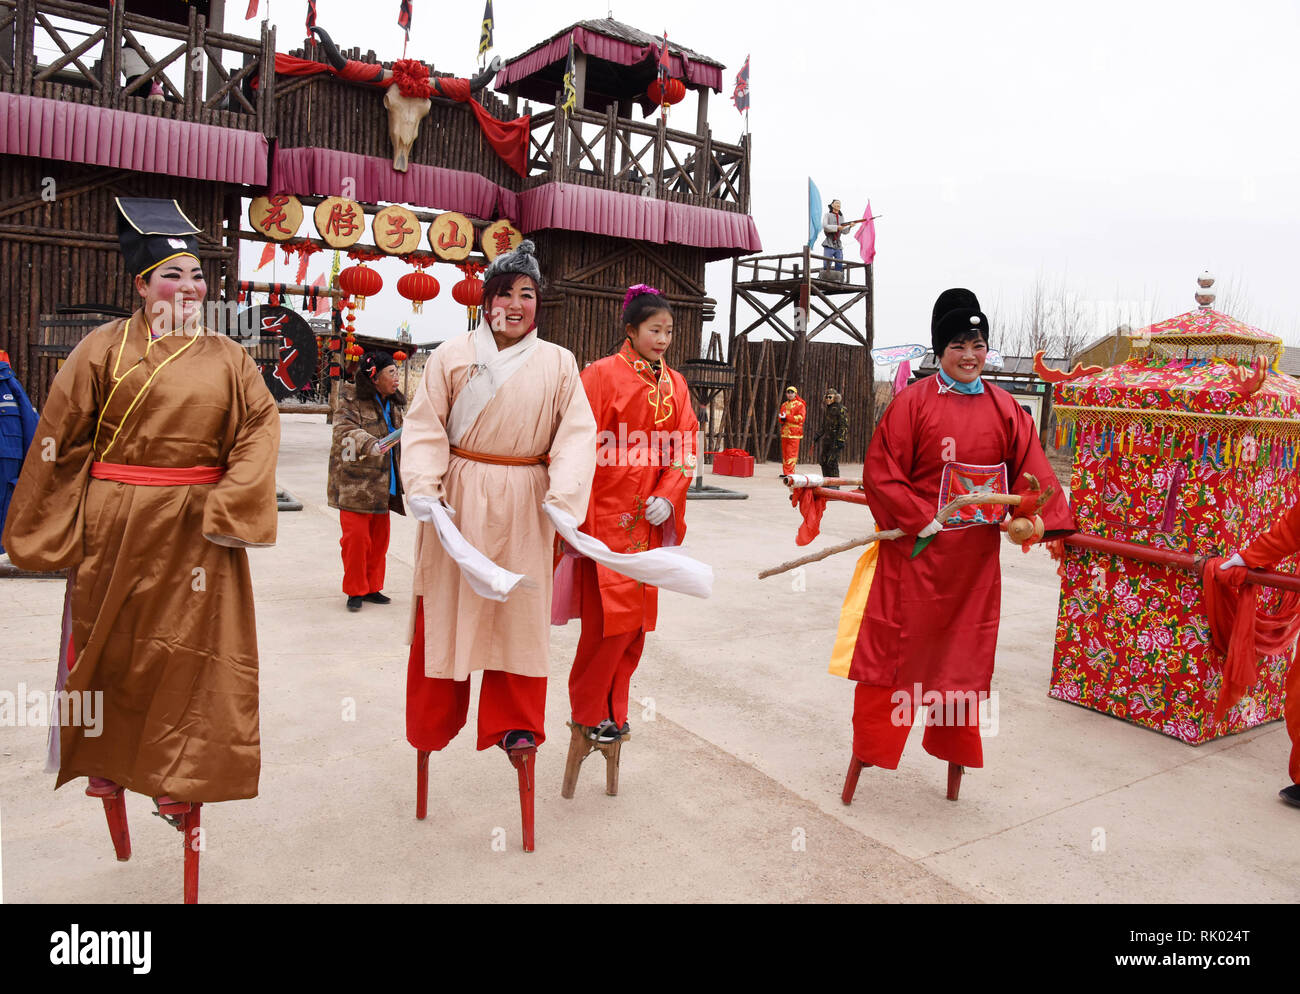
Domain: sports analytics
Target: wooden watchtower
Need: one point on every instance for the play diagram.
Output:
(612, 201)
(793, 296)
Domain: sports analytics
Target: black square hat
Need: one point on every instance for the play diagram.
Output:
(152, 231)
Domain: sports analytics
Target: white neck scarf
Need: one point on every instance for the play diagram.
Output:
(487, 375)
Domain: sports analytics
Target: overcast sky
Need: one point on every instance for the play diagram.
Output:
(1120, 147)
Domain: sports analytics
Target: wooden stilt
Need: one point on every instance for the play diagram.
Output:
(580, 747)
(954, 780)
(421, 783)
(523, 761)
(115, 812)
(851, 781)
(192, 837)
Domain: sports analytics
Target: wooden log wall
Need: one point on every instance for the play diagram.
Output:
(760, 390)
(64, 253)
(587, 277)
(326, 112)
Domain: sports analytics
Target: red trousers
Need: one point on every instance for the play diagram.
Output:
(365, 544)
(881, 725)
(437, 709)
(1291, 710)
(603, 667)
(789, 454)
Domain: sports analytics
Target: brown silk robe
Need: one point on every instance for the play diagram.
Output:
(159, 591)
(540, 410)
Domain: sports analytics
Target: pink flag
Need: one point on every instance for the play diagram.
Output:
(252, 10)
(322, 303)
(866, 237)
(268, 253)
(904, 374)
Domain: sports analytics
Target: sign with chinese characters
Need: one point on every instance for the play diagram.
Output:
(294, 364)
(277, 217)
(500, 236)
(451, 236)
(340, 222)
(395, 230)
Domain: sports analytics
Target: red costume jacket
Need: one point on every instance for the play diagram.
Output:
(645, 447)
(792, 416)
(934, 619)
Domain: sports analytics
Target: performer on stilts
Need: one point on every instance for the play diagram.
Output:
(792, 415)
(645, 462)
(152, 469)
(498, 427)
(1280, 542)
(923, 630)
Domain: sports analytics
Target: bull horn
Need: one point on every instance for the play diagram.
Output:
(486, 76)
(331, 50)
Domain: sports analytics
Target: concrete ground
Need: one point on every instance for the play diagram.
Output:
(730, 784)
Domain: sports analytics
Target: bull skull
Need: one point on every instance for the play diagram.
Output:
(405, 111)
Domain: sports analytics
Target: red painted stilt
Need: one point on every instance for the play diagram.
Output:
(421, 783)
(193, 839)
(851, 781)
(523, 761)
(114, 799)
(954, 780)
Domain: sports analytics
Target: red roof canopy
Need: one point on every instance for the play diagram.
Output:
(622, 62)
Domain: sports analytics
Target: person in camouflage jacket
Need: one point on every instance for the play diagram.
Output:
(833, 434)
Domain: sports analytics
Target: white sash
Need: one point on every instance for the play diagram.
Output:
(667, 567)
(487, 375)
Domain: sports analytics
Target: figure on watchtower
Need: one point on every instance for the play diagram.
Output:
(833, 226)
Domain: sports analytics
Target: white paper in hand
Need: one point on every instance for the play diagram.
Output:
(485, 577)
(668, 568)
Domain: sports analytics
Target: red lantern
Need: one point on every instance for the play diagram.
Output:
(335, 345)
(399, 356)
(361, 282)
(469, 292)
(671, 92)
(417, 288)
(356, 351)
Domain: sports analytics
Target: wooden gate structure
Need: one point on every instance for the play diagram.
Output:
(784, 294)
(609, 200)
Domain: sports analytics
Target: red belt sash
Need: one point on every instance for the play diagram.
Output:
(156, 476)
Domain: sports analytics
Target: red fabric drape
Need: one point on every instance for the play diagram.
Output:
(509, 139)
(1241, 630)
(812, 508)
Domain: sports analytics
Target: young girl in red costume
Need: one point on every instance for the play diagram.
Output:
(645, 459)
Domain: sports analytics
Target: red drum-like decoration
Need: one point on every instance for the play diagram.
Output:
(672, 92)
(361, 282)
(417, 288)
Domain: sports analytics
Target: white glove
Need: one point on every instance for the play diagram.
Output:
(422, 507)
(933, 528)
(658, 510)
(1235, 560)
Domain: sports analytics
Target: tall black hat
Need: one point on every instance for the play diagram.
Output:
(153, 231)
(958, 298)
(956, 325)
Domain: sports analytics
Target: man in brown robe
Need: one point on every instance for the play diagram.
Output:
(159, 607)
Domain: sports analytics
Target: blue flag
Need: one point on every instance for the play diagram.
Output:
(814, 213)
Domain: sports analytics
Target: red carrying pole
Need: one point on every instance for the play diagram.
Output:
(1178, 560)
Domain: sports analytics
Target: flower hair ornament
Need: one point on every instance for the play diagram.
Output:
(636, 291)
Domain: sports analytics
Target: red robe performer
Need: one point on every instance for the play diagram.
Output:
(1281, 541)
(792, 415)
(644, 464)
(922, 631)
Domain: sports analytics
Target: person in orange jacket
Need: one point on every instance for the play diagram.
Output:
(1279, 542)
(792, 415)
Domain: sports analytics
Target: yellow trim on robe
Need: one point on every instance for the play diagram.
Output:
(855, 606)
